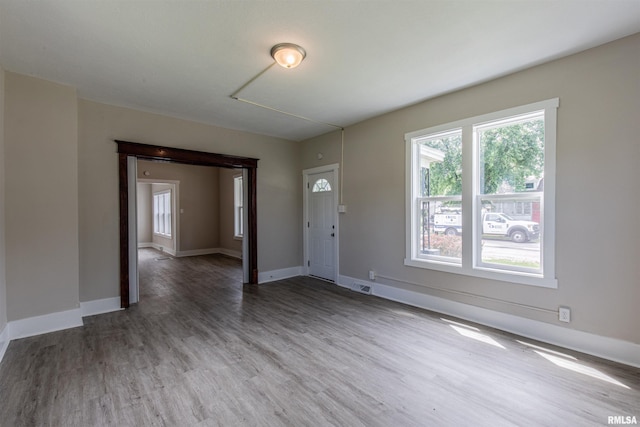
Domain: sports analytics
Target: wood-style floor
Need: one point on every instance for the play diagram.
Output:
(201, 349)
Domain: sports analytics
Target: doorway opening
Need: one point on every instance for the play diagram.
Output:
(129, 153)
(187, 211)
(158, 214)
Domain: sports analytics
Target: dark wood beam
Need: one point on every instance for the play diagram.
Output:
(179, 155)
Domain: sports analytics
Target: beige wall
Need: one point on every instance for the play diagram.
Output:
(144, 213)
(208, 204)
(279, 194)
(227, 224)
(597, 205)
(3, 283)
(198, 201)
(41, 149)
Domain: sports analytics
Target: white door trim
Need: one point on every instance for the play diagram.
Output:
(334, 168)
(132, 174)
(245, 226)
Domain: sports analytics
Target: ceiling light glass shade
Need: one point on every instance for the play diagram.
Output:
(288, 55)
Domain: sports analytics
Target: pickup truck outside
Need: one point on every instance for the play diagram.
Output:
(493, 224)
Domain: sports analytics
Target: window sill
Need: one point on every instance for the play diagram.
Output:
(485, 273)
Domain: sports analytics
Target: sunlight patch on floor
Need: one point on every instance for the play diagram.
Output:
(469, 333)
(459, 324)
(581, 369)
(546, 350)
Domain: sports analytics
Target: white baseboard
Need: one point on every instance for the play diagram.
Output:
(164, 249)
(196, 252)
(284, 273)
(4, 341)
(52, 322)
(230, 252)
(597, 345)
(193, 252)
(100, 306)
(158, 247)
(38, 325)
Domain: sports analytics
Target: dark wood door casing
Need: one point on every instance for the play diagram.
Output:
(178, 155)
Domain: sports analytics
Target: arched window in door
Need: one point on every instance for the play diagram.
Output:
(321, 185)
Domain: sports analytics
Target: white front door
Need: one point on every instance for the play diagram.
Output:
(321, 225)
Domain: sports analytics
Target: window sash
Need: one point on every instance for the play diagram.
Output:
(162, 213)
(238, 210)
(426, 233)
(480, 240)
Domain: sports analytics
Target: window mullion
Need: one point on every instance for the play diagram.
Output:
(415, 191)
(468, 200)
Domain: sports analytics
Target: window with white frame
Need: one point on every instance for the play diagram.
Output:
(162, 213)
(238, 206)
(481, 193)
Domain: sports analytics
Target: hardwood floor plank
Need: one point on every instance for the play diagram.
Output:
(201, 349)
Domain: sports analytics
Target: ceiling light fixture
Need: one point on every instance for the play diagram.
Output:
(288, 55)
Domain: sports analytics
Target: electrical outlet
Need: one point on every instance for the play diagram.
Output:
(372, 275)
(564, 314)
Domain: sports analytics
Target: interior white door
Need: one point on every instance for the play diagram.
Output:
(322, 227)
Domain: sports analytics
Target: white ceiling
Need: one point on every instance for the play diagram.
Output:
(184, 58)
